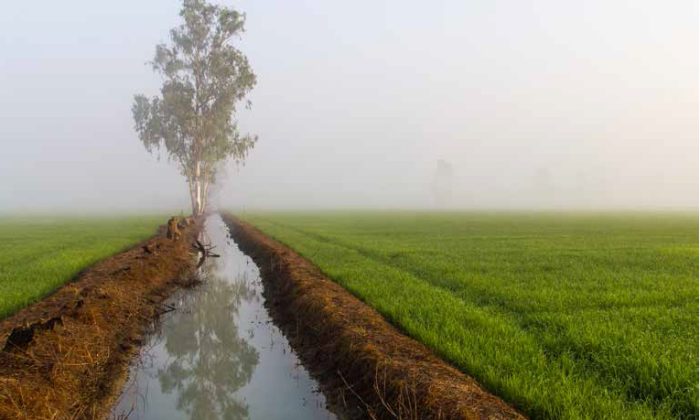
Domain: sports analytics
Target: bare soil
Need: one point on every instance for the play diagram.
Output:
(359, 358)
(66, 356)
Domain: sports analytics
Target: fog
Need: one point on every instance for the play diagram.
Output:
(368, 104)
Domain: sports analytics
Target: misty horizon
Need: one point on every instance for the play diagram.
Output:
(369, 105)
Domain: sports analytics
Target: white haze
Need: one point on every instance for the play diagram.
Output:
(540, 104)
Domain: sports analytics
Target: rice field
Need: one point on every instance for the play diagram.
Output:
(39, 254)
(564, 315)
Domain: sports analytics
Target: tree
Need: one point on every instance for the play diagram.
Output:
(205, 78)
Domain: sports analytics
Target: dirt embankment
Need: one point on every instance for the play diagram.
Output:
(66, 356)
(353, 351)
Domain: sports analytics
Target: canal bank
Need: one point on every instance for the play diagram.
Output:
(64, 357)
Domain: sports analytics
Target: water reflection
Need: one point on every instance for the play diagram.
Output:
(218, 356)
(209, 359)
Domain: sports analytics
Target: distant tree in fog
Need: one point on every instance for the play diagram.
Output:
(442, 183)
(205, 78)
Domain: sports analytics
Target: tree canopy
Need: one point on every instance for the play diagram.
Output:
(205, 78)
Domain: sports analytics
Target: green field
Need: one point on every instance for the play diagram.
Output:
(564, 315)
(39, 254)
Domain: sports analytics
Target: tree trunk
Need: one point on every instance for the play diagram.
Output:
(205, 195)
(198, 189)
(193, 201)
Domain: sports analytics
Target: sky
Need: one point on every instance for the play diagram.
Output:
(368, 104)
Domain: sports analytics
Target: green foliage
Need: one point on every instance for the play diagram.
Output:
(205, 77)
(564, 315)
(38, 255)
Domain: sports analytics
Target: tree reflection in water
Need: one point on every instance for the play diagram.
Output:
(210, 360)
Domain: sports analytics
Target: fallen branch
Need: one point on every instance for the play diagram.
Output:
(205, 251)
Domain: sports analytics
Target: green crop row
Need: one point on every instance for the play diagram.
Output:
(39, 254)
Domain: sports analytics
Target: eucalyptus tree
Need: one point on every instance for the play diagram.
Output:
(205, 79)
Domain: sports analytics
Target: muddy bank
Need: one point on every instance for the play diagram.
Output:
(360, 358)
(65, 356)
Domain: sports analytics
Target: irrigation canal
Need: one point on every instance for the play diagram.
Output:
(218, 353)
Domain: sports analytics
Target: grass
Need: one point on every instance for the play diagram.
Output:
(39, 254)
(564, 315)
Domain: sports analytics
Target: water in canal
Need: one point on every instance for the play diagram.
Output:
(218, 354)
